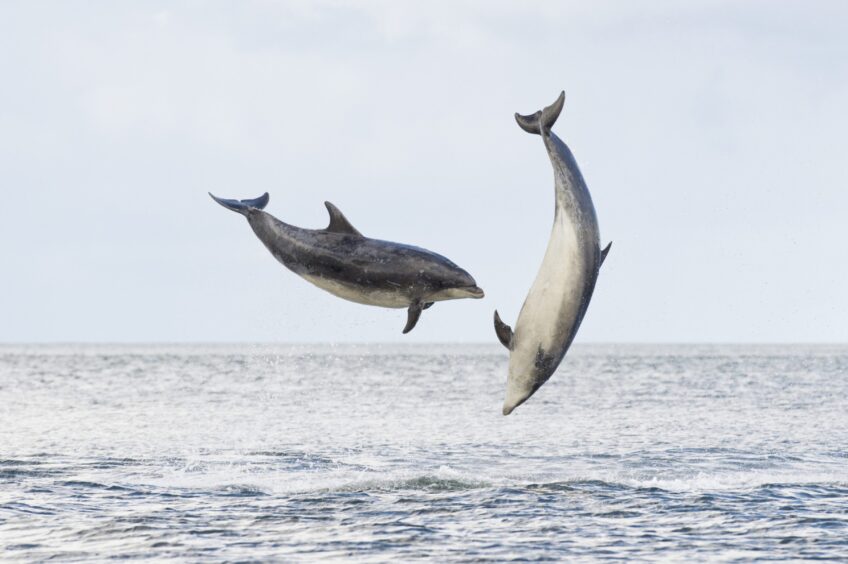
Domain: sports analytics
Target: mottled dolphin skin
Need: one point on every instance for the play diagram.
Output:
(558, 299)
(340, 260)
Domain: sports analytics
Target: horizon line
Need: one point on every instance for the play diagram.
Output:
(393, 343)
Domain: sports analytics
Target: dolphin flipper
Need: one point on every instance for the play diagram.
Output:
(243, 206)
(413, 314)
(604, 253)
(503, 331)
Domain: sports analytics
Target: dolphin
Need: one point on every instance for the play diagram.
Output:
(342, 261)
(558, 299)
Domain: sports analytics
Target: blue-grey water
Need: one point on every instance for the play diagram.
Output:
(394, 453)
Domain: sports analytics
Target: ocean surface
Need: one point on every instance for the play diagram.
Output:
(394, 453)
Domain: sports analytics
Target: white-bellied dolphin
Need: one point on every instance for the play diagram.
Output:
(340, 260)
(558, 299)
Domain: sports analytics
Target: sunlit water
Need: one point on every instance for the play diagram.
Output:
(391, 453)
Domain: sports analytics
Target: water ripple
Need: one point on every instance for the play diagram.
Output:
(703, 453)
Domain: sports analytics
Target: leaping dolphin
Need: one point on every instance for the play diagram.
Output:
(340, 260)
(558, 299)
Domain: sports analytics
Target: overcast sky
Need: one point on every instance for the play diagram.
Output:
(712, 136)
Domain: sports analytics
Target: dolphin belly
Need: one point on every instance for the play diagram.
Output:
(550, 316)
(361, 294)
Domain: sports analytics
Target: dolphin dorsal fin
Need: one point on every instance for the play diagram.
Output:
(503, 331)
(338, 222)
(604, 252)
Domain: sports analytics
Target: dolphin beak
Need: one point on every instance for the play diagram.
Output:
(514, 398)
(457, 293)
(475, 292)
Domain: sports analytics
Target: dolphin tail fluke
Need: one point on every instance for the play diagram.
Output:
(543, 120)
(243, 206)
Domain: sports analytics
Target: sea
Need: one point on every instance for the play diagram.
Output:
(397, 453)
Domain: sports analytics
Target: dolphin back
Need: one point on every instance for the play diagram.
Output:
(244, 206)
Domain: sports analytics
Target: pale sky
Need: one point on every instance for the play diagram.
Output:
(712, 136)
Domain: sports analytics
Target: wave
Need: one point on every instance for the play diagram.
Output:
(251, 479)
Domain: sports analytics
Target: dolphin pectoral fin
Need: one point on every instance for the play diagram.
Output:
(413, 314)
(243, 206)
(503, 331)
(604, 253)
(338, 222)
(542, 120)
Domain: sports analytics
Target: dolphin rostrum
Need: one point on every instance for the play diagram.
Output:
(558, 299)
(342, 261)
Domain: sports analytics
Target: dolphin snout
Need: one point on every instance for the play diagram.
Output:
(475, 292)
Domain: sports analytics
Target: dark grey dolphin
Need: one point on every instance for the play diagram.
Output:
(558, 299)
(340, 260)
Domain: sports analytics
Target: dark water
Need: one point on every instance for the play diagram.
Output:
(386, 453)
